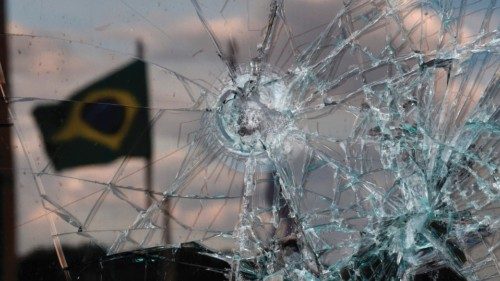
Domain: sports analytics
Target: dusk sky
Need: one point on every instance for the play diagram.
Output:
(58, 47)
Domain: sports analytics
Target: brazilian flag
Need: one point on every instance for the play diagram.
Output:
(99, 123)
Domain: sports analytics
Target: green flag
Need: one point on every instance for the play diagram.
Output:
(99, 123)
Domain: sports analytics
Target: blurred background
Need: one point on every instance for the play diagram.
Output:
(152, 63)
(57, 50)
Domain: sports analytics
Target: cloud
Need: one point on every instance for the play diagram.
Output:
(52, 68)
(14, 27)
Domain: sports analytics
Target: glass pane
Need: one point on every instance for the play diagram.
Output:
(255, 140)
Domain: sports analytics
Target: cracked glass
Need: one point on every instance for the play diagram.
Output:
(290, 140)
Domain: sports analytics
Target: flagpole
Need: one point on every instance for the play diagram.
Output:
(8, 259)
(149, 161)
(8, 254)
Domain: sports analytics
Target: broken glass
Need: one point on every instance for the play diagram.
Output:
(294, 140)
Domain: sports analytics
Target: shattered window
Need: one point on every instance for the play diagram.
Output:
(256, 140)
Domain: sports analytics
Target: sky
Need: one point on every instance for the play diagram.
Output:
(59, 46)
